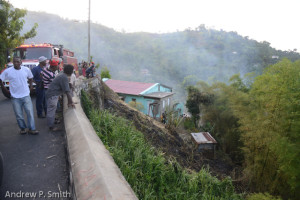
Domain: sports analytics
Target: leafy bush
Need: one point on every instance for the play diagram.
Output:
(105, 73)
(188, 124)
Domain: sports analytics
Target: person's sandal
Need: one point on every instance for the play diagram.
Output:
(33, 132)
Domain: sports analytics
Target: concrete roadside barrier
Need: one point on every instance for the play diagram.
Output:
(94, 174)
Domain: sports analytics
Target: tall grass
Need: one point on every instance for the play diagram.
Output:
(149, 173)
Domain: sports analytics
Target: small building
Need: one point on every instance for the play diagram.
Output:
(155, 97)
(205, 143)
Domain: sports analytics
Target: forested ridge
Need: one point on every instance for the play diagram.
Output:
(244, 92)
(175, 59)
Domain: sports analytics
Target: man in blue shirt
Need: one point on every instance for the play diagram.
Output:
(39, 88)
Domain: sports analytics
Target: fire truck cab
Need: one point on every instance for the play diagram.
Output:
(30, 53)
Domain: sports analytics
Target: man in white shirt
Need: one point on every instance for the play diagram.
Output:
(20, 94)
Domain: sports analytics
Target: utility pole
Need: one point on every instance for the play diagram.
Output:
(89, 33)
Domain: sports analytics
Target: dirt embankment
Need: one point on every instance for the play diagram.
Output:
(168, 141)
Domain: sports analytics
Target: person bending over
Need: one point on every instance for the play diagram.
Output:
(59, 86)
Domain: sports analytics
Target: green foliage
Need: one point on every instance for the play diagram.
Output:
(192, 103)
(195, 100)
(219, 119)
(86, 103)
(11, 24)
(189, 124)
(260, 117)
(260, 196)
(149, 173)
(137, 105)
(237, 83)
(270, 120)
(207, 127)
(173, 118)
(105, 73)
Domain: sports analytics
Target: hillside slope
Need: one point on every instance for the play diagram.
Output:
(168, 141)
(171, 58)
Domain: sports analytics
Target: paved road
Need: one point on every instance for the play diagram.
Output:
(33, 164)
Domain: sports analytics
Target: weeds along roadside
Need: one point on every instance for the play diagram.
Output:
(149, 173)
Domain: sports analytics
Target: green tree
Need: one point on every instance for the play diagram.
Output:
(270, 121)
(219, 115)
(11, 23)
(237, 82)
(195, 99)
(105, 73)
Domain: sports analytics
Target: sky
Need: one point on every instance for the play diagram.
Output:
(274, 21)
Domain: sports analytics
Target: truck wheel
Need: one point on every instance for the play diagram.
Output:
(1, 168)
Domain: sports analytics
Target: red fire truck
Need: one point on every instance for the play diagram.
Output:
(30, 53)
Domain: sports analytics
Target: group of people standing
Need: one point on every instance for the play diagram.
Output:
(88, 69)
(50, 85)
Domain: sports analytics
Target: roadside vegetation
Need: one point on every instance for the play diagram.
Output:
(150, 174)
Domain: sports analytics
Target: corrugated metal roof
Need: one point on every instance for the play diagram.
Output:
(203, 138)
(128, 87)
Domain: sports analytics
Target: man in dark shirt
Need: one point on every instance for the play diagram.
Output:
(59, 86)
(39, 89)
(90, 71)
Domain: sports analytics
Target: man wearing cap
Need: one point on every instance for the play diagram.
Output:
(39, 90)
(20, 98)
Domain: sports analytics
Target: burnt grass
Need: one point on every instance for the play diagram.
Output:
(166, 140)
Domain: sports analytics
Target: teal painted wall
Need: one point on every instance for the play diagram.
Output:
(180, 107)
(156, 88)
(152, 89)
(164, 89)
(139, 99)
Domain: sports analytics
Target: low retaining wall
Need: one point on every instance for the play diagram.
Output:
(94, 174)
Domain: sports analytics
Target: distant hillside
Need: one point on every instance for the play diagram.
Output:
(199, 54)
